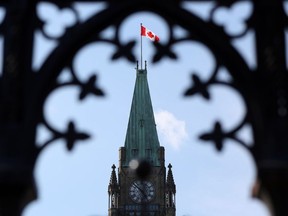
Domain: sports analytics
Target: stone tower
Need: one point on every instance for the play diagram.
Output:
(142, 187)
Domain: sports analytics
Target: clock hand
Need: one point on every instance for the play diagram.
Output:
(141, 190)
(138, 187)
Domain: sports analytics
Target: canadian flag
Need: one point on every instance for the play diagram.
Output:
(147, 33)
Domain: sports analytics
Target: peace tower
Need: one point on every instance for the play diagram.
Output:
(142, 187)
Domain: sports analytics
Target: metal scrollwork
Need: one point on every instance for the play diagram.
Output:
(227, 22)
(71, 135)
(53, 28)
(217, 135)
(259, 87)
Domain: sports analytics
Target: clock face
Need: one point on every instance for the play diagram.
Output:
(142, 191)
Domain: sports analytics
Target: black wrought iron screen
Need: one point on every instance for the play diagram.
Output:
(25, 87)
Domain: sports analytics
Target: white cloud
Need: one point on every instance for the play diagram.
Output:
(170, 128)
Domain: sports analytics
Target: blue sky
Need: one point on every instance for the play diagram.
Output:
(208, 183)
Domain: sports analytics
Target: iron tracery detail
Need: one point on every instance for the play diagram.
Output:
(264, 89)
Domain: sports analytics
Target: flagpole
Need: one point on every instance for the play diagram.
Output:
(141, 45)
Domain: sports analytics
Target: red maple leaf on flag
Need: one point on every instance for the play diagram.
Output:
(150, 34)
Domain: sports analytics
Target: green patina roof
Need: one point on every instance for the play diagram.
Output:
(141, 137)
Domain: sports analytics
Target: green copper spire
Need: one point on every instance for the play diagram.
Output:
(141, 137)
